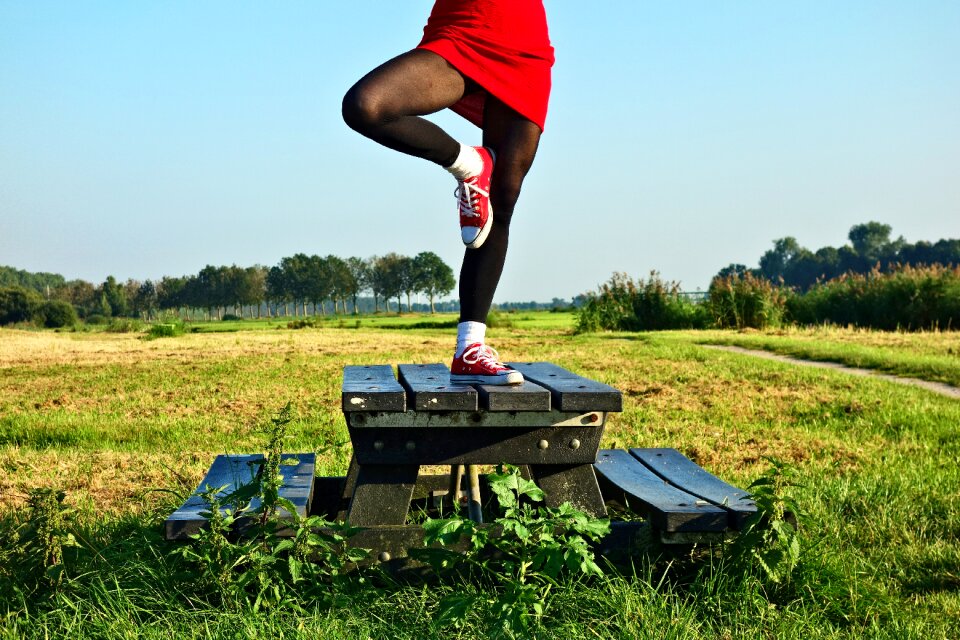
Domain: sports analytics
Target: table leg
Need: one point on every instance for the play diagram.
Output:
(382, 494)
(576, 484)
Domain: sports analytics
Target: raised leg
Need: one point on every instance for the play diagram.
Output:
(382, 494)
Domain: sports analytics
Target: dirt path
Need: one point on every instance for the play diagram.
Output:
(937, 387)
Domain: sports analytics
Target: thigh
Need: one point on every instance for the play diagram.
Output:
(417, 82)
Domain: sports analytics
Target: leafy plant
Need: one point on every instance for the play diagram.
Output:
(34, 549)
(282, 559)
(519, 558)
(770, 538)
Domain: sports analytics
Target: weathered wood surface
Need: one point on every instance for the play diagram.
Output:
(479, 445)
(372, 388)
(427, 388)
(669, 509)
(430, 389)
(233, 471)
(473, 419)
(570, 391)
(680, 471)
(514, 397)
(382, 494)
(576, 484)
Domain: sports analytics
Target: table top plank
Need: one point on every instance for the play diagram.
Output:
(372, 388)
(430, 389)
(570, 392)
(528, 396)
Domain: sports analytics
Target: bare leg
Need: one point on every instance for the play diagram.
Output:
(385, 105)
(515, 140)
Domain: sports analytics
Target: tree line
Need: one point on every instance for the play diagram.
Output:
(300, 284)
(870, 247)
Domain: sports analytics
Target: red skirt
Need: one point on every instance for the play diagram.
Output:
(502, 45)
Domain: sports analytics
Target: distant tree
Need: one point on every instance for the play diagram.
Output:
(341, 281)
(359, 278)
(145, 300)
(732, 270)
(773, 263)
(55, 314)
(432, 276)
(388, 278)
(870, 240)
(115, 297)
(18, 304)
(81, 294)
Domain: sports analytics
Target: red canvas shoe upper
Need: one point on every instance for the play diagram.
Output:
(479, 360)
(473, 199)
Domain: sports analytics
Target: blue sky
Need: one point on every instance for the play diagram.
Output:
(143, 139)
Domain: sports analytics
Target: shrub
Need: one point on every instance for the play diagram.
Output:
(625, 305)
(497, 320)
(18, 304)
(745, 300)
(906, 298)
(230, 317)
(123, 325)
(54, 314)
(165, 330)
(96, 318)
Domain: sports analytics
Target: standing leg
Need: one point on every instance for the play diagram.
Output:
(514, 139)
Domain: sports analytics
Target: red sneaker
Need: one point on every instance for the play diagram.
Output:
(479, 363)
(473, 197)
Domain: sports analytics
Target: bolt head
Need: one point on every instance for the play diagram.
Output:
(384, 556)
(378, 445)
(575, 444)
(411, 445)
(543, 444)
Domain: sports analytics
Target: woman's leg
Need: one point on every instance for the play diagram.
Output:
(385, 105)
(514, 139)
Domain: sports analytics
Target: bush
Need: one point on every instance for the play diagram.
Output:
(18, 304)
(651, 305)
(96, 318)
(230, 317)
(55, 314)
(165, 330)
(904, 298)
(746, 301)
(123, 325)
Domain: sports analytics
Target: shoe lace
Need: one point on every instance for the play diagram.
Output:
(481, 353)
(468, 194)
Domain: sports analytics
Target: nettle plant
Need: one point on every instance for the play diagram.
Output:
(520, 557)
(269, 556)
(770, 538)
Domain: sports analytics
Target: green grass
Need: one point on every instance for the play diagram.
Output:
(928, 355)
(109, 417)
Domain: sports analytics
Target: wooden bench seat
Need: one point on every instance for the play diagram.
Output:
(682, 500)
(233, 471)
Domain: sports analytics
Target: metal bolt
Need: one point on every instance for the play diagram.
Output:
(574, 444)
(378, 445)
(411, 445)
(384, 556)
(543, 444)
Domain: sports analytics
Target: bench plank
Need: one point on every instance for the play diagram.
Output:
(233, 471)
(372, 388)
(680, 471)
(571, 392)
(668, 508)
(514, 397)
(431, 390)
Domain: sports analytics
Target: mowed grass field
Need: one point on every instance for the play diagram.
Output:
(120, 422)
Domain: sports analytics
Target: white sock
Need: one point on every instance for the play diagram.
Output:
(469, 333)
(468, 163)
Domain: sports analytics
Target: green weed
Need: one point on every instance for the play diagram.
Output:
(529, 549)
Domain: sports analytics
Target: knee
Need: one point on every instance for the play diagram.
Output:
(504, 195)
(363, 109)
